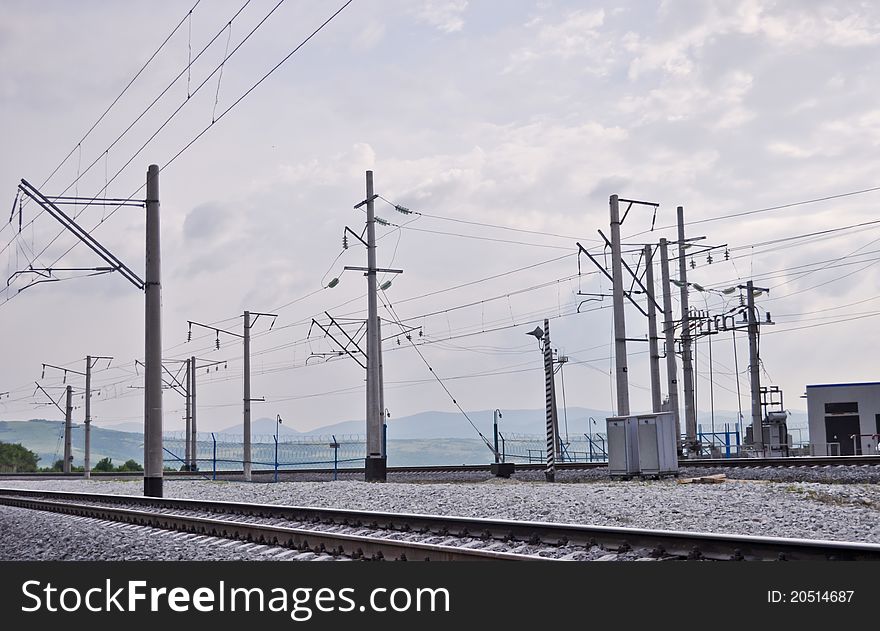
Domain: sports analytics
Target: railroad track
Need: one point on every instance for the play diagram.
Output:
(797, 461)
(394, 536)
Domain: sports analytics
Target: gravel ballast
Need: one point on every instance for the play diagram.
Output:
(848, 512)
(30, 535)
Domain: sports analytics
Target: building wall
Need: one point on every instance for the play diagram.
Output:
(867, 396)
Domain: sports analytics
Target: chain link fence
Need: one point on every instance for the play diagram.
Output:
(225, 452)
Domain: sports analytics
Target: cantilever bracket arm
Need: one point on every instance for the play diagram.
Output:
(605, 271)
(59, 215)
(634, 276)
(344, 347)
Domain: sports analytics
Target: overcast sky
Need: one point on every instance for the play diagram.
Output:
(520, 113)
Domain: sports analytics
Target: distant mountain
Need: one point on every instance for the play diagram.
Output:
(127, 426)
(436, 424)
(263, 426)
(454, 424)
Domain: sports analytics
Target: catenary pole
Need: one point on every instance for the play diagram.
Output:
(187, 458)
(690, 416)
(192, 410)
(246, 457)
(68, 426)
(87, 455)
(375, 464)
(669, 333)
(653, 344)
(619, 315)
(754, 374)
(153, 343)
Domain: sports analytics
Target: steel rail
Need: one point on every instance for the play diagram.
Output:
(303, 539)
(660, 543)
(795, 461)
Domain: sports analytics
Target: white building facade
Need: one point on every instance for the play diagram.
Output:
(844, 418)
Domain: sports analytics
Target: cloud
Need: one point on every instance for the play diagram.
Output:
(578, 35)
(369, 35)
(793, 26)
(206, 222)
(444, 15)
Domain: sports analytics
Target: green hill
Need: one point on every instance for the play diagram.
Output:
(46, 439)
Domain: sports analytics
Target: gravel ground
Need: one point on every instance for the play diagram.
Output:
(29, 535)
(821, 474)
(802, 509)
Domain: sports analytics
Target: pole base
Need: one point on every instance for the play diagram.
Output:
(550, 475)
(153, 487)
(502, 469)
(375, 469)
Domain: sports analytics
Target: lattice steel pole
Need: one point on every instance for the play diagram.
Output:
(550, 396)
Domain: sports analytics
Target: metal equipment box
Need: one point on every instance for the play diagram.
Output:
(657, 444)
(623, 446)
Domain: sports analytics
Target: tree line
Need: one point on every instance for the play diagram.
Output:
(15, 458)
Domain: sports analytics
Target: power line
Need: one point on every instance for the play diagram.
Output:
(120, 95)
(218, 118)
(405, 210)
(756, 211)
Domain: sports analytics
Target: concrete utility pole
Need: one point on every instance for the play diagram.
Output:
(754, 374)
(68, 426)
(87, 456)
(669, 332)
(550, 396)
(653, 345)
(187, 457)
(153, 344)
(690, 415)
(248, 325)
(619, 315)
(375, 466)
(87, 460)
(245, 336)
(246, 456)
(193, 450)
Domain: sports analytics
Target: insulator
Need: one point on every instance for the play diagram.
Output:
(402, 209)
(189, 336)
(726, 254)
(381, 221)
(398, 341)
(709, 259)
(421, 333)
(693, 263)
(344, 241)
(217, 342)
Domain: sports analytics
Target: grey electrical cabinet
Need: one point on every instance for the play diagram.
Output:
(657, 444)
(623, 446)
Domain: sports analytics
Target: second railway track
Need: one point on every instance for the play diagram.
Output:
(702, 463)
